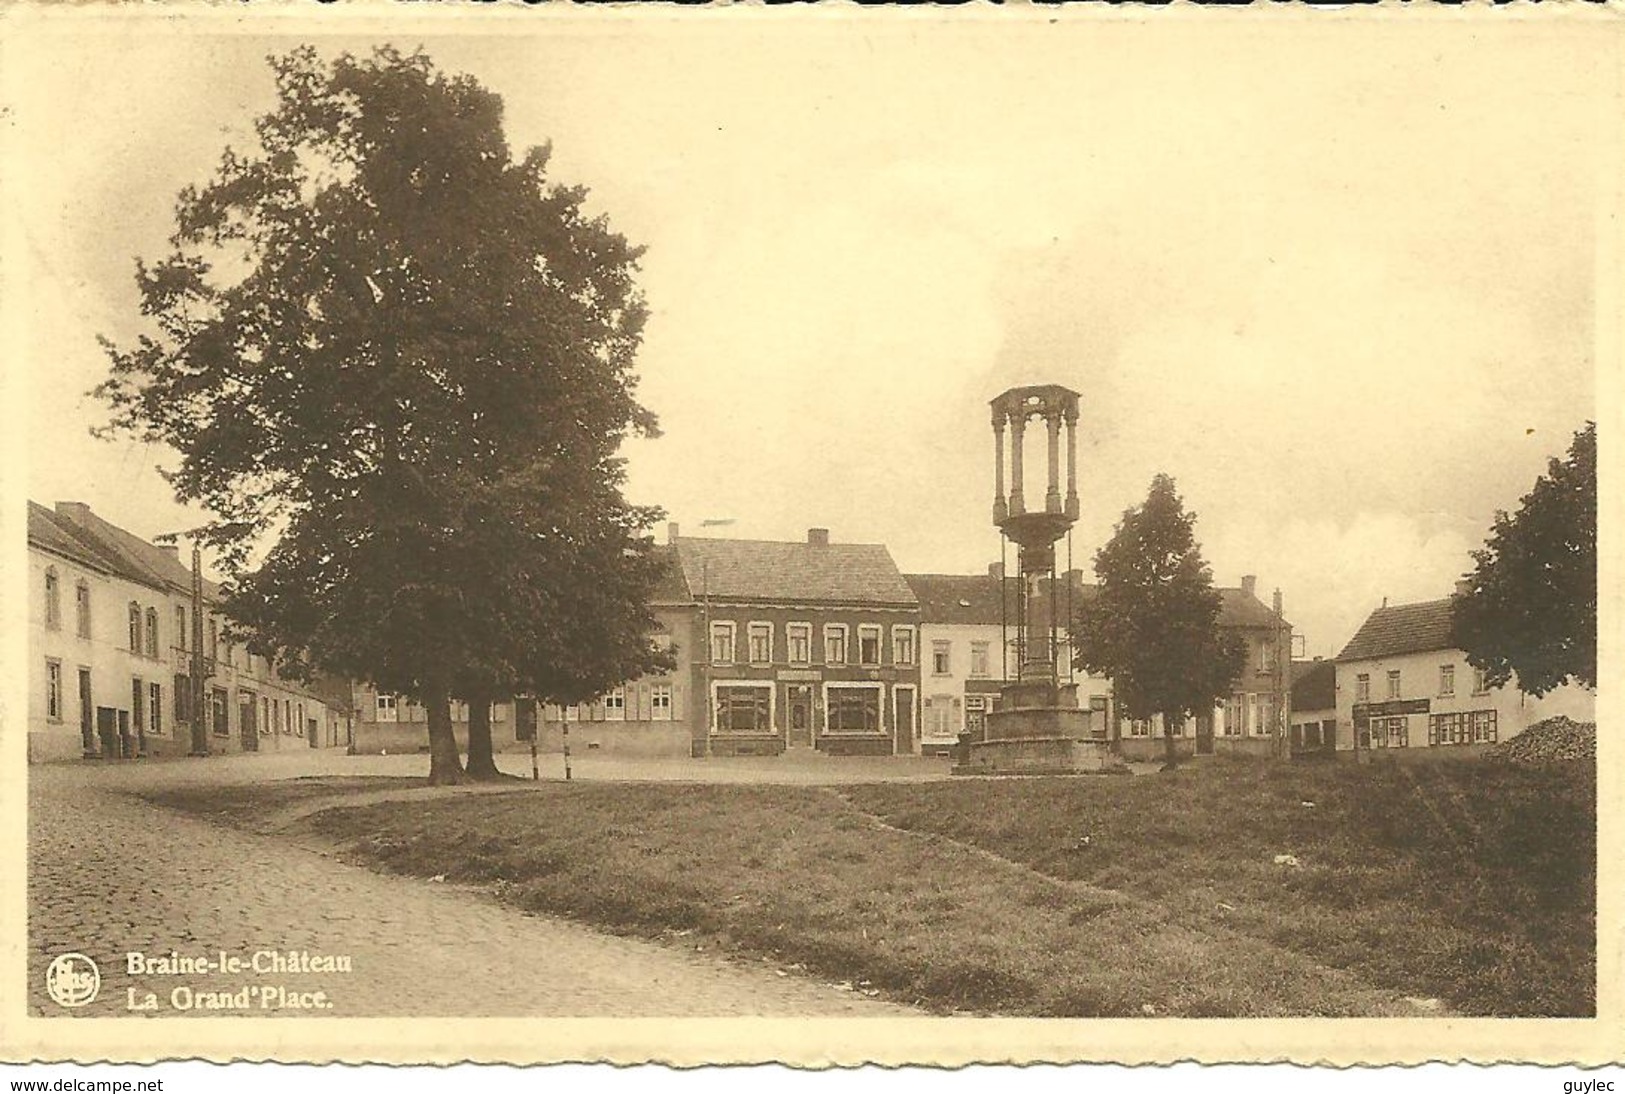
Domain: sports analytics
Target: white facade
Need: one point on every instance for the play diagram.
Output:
(1435, 699)
(110, 665)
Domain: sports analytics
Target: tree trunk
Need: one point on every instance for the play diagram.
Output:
(445, 766)
(482, 764)
(1169, 753)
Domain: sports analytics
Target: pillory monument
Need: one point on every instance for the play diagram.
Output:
(1038, 727)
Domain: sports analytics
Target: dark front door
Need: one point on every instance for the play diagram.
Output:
(1204, 734)
(248, 732)
(798, 702)
(904, 730)
(87, 716)
(107, 729)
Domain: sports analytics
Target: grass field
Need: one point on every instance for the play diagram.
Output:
(1472, 883)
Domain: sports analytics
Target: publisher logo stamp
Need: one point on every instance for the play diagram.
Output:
(73, 980)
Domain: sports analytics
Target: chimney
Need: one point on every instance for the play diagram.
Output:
(73, 510)
(1464, 587)
(1276, 602)
(995, 570)
(1249, 584)
(173, 549)
(818, 537)
(671, 531)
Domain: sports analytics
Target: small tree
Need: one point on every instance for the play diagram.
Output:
(405, 357)
(1530, 606)
(1153, 627)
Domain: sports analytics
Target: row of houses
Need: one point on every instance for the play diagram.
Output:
(817, 646)
(114, 647)
(778, 647)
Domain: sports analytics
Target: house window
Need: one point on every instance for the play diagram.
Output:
(299, 722)
(1447, 680)
(155, 707)
(180, 626)
(81, 604)
(835, 643)
(219, 717)
(138, 702)
(978, 660)
(744, 708)
(388, 709)
(902, 645)
(941, 716)
(1266, 657)
(761, 643)
(183, 698)
(53, 599)
(53, 689)
(660, 702)
(1393, 683)
(1391, 732)
(868, 644)
(152, 632)
(975, 714)
(722, 643)
(1483, 727)
(1139, 727)
(135, 627)
(799, 638)
(1362, 688)
(615, 706)
(941, 658)
(214, 640)
(853, 708)
(1481, 682)
(1231, 726)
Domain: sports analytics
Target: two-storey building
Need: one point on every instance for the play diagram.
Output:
(806, 646)
(112, 653)
(1403, 685)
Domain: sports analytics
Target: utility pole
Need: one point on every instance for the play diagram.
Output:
(200, 732)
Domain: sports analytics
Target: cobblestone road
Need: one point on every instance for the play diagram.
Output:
(109, 875)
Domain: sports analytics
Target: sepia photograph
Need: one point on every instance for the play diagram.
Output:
(914, 533)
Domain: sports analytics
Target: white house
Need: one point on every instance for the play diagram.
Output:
(1403, 684)
(110, 653)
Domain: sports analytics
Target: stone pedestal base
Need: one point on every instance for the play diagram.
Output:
(1040, 756)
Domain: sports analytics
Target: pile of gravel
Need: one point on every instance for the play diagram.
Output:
(1552, 741)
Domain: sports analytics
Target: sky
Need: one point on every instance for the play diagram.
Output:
(1339, 279)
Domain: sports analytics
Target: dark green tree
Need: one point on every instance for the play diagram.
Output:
(1153, 627)
(404, 358)
(1530, 606)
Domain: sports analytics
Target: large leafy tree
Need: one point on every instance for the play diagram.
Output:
(1153, 627)
(1530, 605)
(404, 358)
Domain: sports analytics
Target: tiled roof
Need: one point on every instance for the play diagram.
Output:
(115, 549)
(762, 570)
(1314, 685)
(670, 589)
(47, 533)
(961, 598)
(974, 598)
(1403, 628)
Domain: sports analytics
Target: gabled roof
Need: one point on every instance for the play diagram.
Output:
(763, 570)
(962, 598)
(1240, 608)
(49, 534)
(974, 598)
(670, 589)
(110, 548)
(1403, 628)
(1314, 685)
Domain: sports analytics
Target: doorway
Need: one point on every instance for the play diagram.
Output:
(903, 730)
(87, 722)
(1204, 734)
(798, 701)
(247, 727)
